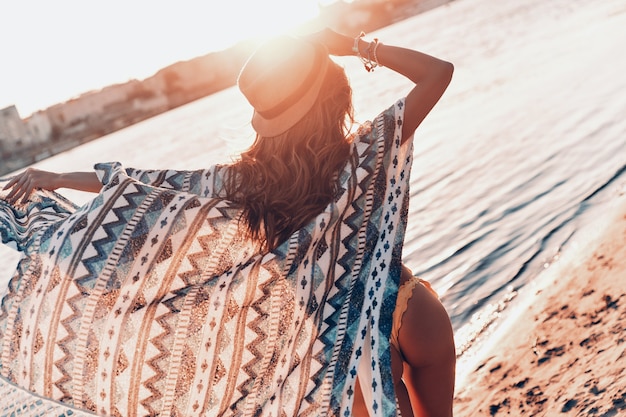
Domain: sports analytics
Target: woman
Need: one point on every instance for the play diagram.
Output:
(262, 287)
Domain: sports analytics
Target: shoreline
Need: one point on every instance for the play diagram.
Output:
(559, 349)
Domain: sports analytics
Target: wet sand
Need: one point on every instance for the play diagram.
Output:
(565, 352)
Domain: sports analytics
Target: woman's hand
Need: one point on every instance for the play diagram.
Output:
(35, 179)
(26, 182)
(336, 43)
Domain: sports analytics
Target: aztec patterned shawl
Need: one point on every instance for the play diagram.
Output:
(148, 301)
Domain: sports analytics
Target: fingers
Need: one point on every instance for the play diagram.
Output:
(21, 185)
(335, 42)
(21, 189)
(10, 184)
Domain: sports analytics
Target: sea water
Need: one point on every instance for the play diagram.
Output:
(526, 147)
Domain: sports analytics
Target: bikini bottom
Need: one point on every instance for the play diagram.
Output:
(405, 292)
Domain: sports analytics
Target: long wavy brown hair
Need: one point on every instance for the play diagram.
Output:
(283, 182)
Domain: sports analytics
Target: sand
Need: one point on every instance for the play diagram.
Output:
(565, 352)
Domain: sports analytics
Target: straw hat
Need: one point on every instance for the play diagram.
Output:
(281, 80)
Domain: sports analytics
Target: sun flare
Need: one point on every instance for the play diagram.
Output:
(262, 19)
(69, 47)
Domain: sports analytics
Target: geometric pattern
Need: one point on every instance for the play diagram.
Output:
(148, 301)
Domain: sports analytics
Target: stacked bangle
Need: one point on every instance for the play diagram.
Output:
(368, 63)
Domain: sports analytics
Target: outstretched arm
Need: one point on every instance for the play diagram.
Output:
(431, 75)
(31, 179)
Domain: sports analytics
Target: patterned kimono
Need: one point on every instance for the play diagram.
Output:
(148, 300)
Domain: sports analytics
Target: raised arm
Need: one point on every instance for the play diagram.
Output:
(431, 75)
(31, 179)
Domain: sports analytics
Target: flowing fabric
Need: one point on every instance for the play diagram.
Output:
(148, 300)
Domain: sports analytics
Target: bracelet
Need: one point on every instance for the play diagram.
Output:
(355, 47)
(371, 50)
(376, 44)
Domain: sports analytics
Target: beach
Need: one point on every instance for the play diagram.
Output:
(564, 353)
(517, 212)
